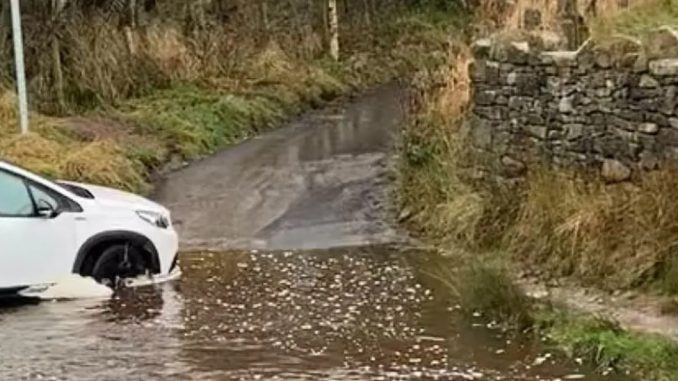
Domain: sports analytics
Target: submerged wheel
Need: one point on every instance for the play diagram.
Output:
(117, 263)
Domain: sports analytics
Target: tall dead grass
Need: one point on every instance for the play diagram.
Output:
(615, 236)
(433, 146)
(600, 15)
(560, 223)
(640, 18)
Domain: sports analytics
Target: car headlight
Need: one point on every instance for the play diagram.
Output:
(154, 218)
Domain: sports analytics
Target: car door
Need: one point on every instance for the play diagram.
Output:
(34, 249)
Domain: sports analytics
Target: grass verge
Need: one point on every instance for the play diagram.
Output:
(605, 345)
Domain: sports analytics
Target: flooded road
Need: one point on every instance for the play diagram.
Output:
(346, 302)
(319, 182)
(349, 314)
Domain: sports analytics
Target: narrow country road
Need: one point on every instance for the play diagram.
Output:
(303, 279)
(316, 183)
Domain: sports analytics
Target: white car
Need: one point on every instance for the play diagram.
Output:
(50, 230)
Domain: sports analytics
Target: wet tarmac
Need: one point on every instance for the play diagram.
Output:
(319, 182)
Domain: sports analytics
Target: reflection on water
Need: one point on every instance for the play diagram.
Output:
(341, 315)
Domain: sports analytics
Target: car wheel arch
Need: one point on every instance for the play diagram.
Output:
(94, 246)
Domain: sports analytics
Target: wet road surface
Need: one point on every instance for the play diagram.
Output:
(348, 313)
(319, 182)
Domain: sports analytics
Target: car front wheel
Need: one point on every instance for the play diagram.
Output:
(117, 263)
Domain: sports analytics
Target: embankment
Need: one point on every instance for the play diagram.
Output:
(560, 171)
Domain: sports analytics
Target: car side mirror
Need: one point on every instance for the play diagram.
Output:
(47, 210)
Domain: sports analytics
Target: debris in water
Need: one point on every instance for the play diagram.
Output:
(541, 359)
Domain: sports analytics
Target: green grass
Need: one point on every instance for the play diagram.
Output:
(195, 122)
(638, 20)
(484, 287)
(602, 343)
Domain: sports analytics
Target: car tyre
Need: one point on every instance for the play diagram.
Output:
(118, 263)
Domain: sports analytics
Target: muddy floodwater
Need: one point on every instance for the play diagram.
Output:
(293, 270)
(351, 314)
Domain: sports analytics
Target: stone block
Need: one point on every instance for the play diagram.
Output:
(637, 93)
(515, 52)
(566, 105)
(485, 97)
(481, 133)
(538, 132)
(621, 123)
(484, 71)
(513, 167)
(491, 112)
(603, 59)
(656, 118)
(535, 119)
(559, 59)
(664, 67)
(614, 171)
(619, 46)
(662, 43)
(648, 128)
(647, 82)
(649, 161)
(519, 103)
(481, 48)
(668, 137)
(669, 101)
(574, 131)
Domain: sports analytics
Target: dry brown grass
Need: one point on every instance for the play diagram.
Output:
(8, 113)
(597, 14)
(642, 17)
(33, 152)
(611, 236)
(103, 162)
(436, 179)
(616, 236)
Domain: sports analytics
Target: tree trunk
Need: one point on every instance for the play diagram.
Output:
(129, 25)
(195, 16)
(333, 28)
(263, 14)
(5, 26)
(325, 21)
(57, 69)
(367, 12)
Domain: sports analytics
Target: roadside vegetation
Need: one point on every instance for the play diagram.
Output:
(607, 346)
(553, 224)
(120, 90)
(638, 20)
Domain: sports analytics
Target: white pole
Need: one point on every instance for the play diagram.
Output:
(19, 65)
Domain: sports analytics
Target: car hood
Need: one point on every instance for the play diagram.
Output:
(121, 199)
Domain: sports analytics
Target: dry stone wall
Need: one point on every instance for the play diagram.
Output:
(610, 105)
